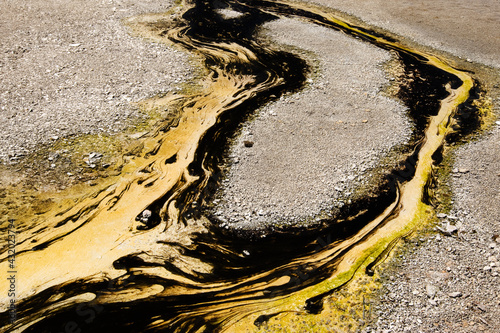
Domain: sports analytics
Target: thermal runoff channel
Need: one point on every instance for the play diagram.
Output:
(143, 253)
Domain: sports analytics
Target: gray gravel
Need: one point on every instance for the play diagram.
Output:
(464, 28)
(69, 67)
(449, 265)
(312, 149)
(450, 283)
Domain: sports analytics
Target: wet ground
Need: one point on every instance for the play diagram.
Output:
(158, 207)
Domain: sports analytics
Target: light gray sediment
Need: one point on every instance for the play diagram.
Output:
(449, 282)
(464, 28)
(70, 67)
(312, 149)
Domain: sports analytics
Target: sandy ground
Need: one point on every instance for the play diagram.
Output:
(71, 67)
(468, 29)
(446, 284)
(314, 148)
(442, 283)
(449, 283)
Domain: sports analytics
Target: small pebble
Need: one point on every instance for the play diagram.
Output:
(455, 294)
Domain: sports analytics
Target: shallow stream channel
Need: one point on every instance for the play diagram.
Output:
(146, 250)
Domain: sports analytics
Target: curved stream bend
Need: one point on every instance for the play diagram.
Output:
(103, 265)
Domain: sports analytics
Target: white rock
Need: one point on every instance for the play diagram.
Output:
(431, 290)
(455, 294)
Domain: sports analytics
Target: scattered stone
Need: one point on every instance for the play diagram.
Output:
(455, 294)
(448, 230)
(62, 78)
(144, 216)
(326, 161)
(484, 321)
(403, 319)
(481, 307)
(94, 157)
(137, 135)
(248, 144)
(431, 290)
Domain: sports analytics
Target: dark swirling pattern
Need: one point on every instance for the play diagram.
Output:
(175, 270)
